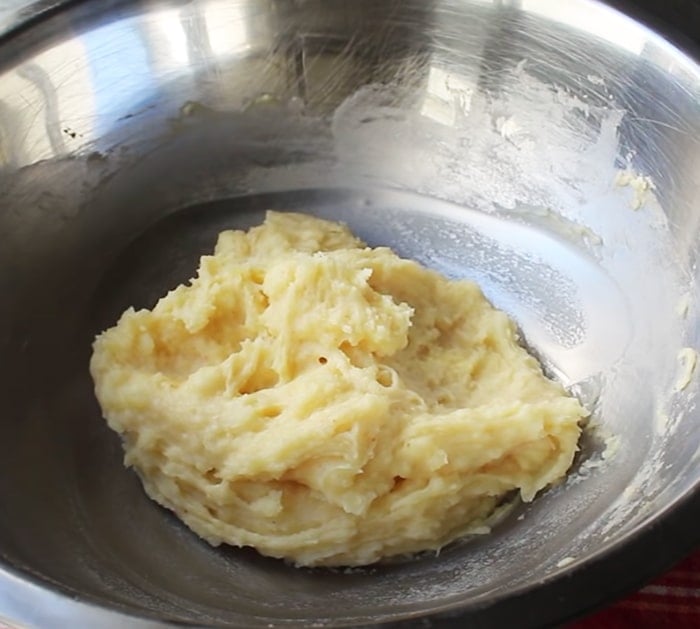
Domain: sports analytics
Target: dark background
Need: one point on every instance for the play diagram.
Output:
(679, 20)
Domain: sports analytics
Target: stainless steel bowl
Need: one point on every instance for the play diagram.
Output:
(548, 150)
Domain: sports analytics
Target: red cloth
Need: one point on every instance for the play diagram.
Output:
(671, 601)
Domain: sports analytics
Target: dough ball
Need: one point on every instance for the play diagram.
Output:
(329, 403)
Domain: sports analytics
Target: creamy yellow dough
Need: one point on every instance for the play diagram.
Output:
(327, 402)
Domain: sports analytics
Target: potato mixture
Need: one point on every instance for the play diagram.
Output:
(327, 402)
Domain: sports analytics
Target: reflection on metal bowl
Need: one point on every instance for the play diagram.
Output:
(548, 150)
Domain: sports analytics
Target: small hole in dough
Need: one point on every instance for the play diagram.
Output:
(385, 376)
(212, 476)
(271, 411)
(257, 275)
(398, 481)
(444, 398)
(322, 360)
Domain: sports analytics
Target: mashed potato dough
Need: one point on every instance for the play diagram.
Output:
(327, 402)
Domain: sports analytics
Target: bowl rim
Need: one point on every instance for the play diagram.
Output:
(616, 569)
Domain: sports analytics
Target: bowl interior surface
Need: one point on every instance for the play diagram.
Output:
(549, 151)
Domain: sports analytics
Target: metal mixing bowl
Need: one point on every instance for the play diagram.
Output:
(549, 150)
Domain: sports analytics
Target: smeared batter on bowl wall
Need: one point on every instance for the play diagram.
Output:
(329, 403)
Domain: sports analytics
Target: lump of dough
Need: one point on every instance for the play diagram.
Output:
(329, 403)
